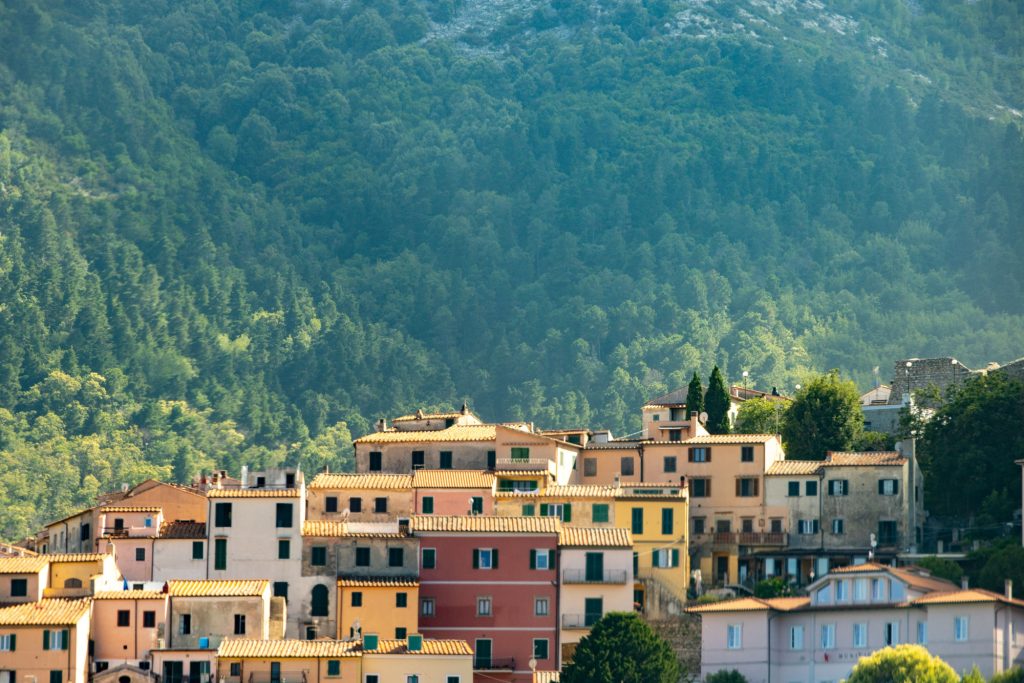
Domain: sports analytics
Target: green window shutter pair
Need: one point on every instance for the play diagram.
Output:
(599, 512)
(566, 512)
(528, 510)
(62, 644)
(543, 509)
(428, 505)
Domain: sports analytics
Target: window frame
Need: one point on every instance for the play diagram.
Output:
(734, 636)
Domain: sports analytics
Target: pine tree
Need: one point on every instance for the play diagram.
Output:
(716, 403)
(695, 395)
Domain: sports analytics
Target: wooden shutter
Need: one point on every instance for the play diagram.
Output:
(675, 557)
(494, 558)
(46, 639)
(543, 509)
(476, 558)
(757, 483)
(709, 454)
(567, 512)
(533, 559)
(691, 454)
(14, 642)
(895, 487)
(551, 559)
(881, 486)
(739, 487)
(707, 487)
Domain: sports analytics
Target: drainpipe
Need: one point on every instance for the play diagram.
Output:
(558, 604)
(640, 450)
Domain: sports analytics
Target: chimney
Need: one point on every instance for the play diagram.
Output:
(1008, 589)
(465, 408)
(381, 425)
(419, 413)
(965, 582)
(245, 476)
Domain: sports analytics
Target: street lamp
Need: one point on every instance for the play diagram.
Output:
(745, 376)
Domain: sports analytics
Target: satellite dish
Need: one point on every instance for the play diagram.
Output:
(703, 418)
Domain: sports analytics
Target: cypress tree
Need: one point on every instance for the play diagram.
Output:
(716, 403)
(695, 395)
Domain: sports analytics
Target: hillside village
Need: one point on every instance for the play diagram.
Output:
(464, 550)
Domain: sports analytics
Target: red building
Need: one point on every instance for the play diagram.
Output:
(493, 582)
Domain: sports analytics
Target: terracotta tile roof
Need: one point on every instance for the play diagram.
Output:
(453, 433)
(536, 474)
(230, 588)
(44, 613)
(23, 565)
(379, 582)
(130, 508)
(734, 605)
(956, 597)
(58, 558)
(595, 537)
(286, 649)
(181, 528)
(793, 467)
(909, 575)
(427, 416)
(727, 438)
(569, 491)
(376, 481)
(430, 647)
(863, 459)
(253, 493)
(857, 568)
(322, 528)
(788, 604)
(129, 595)
(452, 479)
(673, 398)
(486, 524)
(667, 491)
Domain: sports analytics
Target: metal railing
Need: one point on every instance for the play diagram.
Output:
(283, 677)
(522, 463)
(579, 621)
(494, 664)
(584, 576)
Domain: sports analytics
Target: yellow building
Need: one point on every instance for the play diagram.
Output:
(383, 605)
(416, 659)
(288, 660)
(79, 575)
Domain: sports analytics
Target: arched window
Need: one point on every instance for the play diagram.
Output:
(124, 679)
(73, 583)
(320, 600)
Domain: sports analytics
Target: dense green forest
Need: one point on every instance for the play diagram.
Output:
(237, 231)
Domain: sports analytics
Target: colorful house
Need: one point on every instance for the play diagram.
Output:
(306, 661)
(23, 579)
(453, 492)
(202, 613)
(359, 497)
(416, 660)
(126, 626)
(45, 641)
(383, 605)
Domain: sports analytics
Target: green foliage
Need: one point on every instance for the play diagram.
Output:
(873, 441)
(695, 395)
(825, 416)
(774, 587)
(1004, 563)
(942, 568)
(1013, 675)
(902, 664)
(761, 416)
(973, 676)
(967, 442)
(716, 402)
(724, 676)
(622, 648)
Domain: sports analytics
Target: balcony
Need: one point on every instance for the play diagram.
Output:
(763, 538)
(522, 463)
(579, 622)
(617, 576)
(284, 677)
(130, 531)
(494, 664)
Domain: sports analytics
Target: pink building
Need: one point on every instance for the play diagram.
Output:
(453, 492)
(125, 627)
(492, 581)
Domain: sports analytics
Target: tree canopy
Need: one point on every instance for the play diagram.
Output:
(825, 416)
(902, 664)
(622, 648)
(717, 403)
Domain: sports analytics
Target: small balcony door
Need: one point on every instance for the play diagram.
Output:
(595, 566)
(593, 610)
(483, 654)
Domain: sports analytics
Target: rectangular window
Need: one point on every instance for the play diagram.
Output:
(239, 624)
(746, 487)
(281, 589)
(842, 590)
(427, 607)
(283, 517)
(670, 463)
(222, 514)
(747, 525)
(540, 607)
(807, 526)
(396, 557)
(220, 554)
(483, 607)
(638, 520)
(476, 505)
(837, 527)
(838, 487)
(400, 633)
(700, 488)
(236, 669)
(318, 556)
(355, 504)
(698, 525)
(599, 513)
(892, 633)
(520, 454)
(446, 460)
(428, 505)
(734, 636)
(357, 598)
(860, 635)
(380, 505)
(540, 648)
(401, 599)
(429, 558)
(747, 454)
(877, 590)
(888, 487)
(828, 636)
(140, 554)
(197, 550)
(589, 467)
(666, 521)
(333, 667)
(418, 460)
(8, 643)
(284, 549)
(811, 488)
(149, 619)
(375, 461)
(887, 533)
(961, 628)
(542, 559)
(124, 617)
(922, 632)
(775, 525)
(529, 510)
(723, 526)
(485, 558)
(626, 466)
(665, 558)
(794, 489)
(331, 504)
(184, 624)
(796, 638)
(700, 454)
(860, 590)
(362, 557)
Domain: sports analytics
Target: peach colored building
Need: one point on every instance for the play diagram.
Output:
(417, 659)
(23, 579)
(388, 606)
(126, 626)
(47, 641)
(306, 661)
(131, 531)
(359, 497)
(180, 551)
(453, 492)
(202, 613)
(852, 612)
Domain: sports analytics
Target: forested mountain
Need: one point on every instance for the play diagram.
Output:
(239, 230)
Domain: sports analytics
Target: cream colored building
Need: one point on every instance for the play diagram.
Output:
(203, 613)
(428, 660)
(180, 551)
(852, 612)
(310, 661)
(360, 497)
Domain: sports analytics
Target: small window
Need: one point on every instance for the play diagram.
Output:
(283, 517)
(362, 557)
(428, 505)
(699, 525)
(529, 510)
(670, 463)
(427, 607)
(220, 554)
(796, 638)
(483, 607)
(888, 487)
(775, 525)
(380, 505)
(860, 635)
(961, 628)
(667, 525)
(589, 467)
(284, 549)
(355, 504)
(747, 487)
(794, 489)
(485, 558)
(838, 487)
(184, 624)
(734, 636)
(807, 526)
(401, 599)
(333, 667)
(638, 520)
(396, 557)
(811, 488)
(400, 633)
(540, 648)
(429, 558)
(828, 636)
(626, 467)
(747, 454)
(222, 514)
(140, 554)
(239, 624)
(700, 488)
(318, 556)
(236, 668)
(520, 454)
(599, 513)
(446, 460)
(331, 505)
(747, 525)
(540, 607)
(837, 527)
(281, 589)
(357, 599)
(197, 550)
(700, 454)
(375, 461)
(542, 559)
(149, 619)
(124, 617)
(892, 633)
(842, 590)
(922, 632)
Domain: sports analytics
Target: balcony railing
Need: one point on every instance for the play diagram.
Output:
(130, 531)
(574, 622)
(732, 538)
(583, 576)
(284, 677)
(201, 678)
(762, 538)
(522, 463)
(494, 664)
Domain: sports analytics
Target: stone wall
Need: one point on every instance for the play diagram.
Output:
(942, 372)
